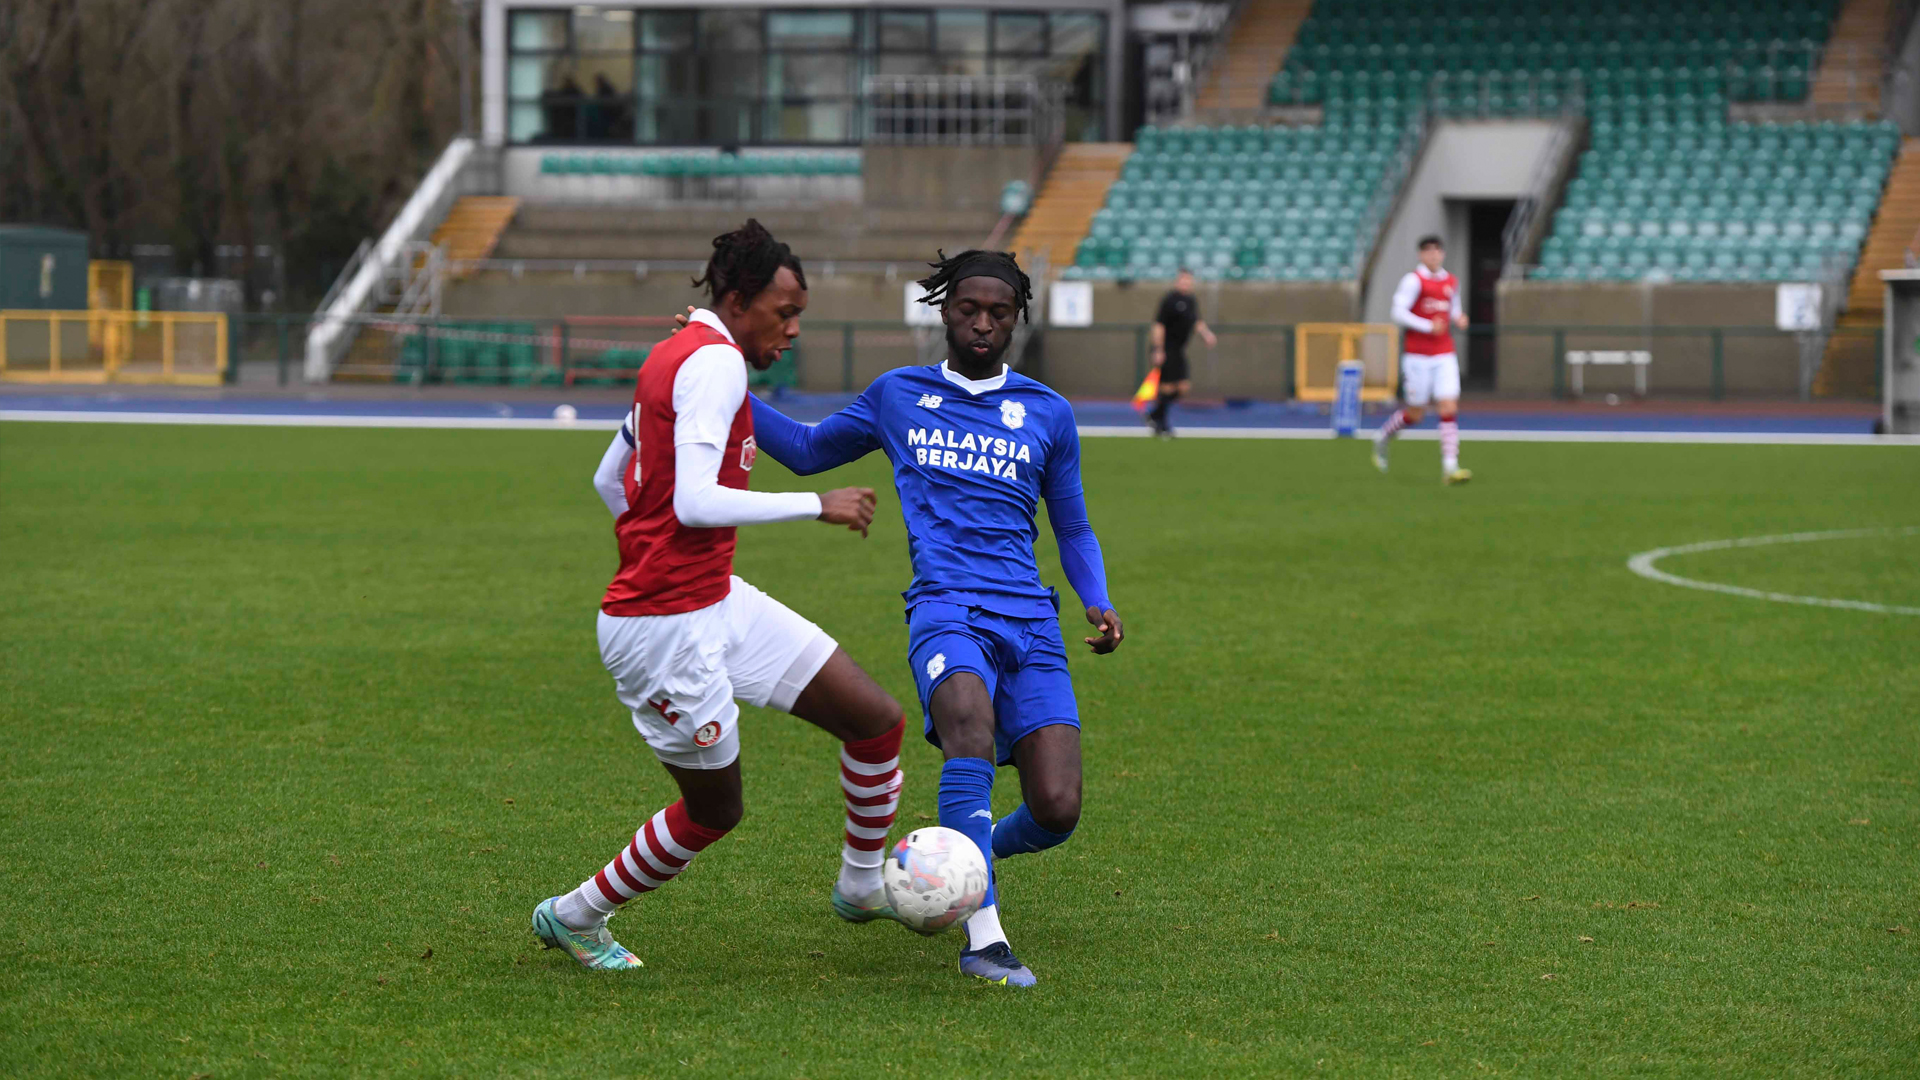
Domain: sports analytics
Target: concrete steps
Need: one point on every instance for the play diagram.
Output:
(1850, 361)
(1261, 38)
(1074, 191)
(1851, 66)
(472, 228)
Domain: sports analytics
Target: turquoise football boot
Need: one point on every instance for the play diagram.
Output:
(594, 949)
(866, 909)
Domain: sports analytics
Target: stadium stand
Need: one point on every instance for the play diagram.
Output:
(1696, 199)
(1627, 48)
(472, 228)
(1075, 188)
(1263, 30)
(1853, 63)
(1852, 361)
(1261, 204)
(675, 166)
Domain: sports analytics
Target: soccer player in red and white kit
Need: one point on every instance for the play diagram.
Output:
(1427, 300)
(683, 638)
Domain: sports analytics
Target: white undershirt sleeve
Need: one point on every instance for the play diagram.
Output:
(708, 391)
(610, 478)
(1403, 297)
(1456, 301)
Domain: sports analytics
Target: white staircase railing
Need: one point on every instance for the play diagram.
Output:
(386, 270)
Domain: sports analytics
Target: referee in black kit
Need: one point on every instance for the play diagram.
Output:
(1173, 324)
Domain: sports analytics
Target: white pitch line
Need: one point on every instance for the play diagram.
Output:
(1643, 564)
(1469, 435)
(1091, 431)
(508, 423)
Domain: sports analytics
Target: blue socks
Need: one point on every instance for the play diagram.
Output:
(966, 805)
(1018, 833)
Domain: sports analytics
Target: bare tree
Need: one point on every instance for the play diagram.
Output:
(301, 123)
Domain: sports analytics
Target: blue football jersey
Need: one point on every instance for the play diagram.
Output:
(971, 463)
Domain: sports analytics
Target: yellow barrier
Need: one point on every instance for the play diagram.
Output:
(187, 347)
(1319, 349)
(109, 288)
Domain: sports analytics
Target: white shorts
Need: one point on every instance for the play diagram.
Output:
(1430, 378)
(680, 674)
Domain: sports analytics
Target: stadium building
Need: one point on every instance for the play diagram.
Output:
(1653, 181)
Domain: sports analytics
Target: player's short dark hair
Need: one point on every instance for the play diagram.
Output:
(940, 283)
(1187, 270)
(1431, 240)
(745, 261)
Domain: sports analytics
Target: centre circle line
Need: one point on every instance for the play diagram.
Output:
(1643, 564)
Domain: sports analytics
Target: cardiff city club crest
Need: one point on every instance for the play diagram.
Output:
(1013, 414)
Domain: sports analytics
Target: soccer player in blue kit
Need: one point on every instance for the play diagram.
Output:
(975, 447)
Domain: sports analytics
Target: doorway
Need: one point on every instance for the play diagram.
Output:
(1486, 259)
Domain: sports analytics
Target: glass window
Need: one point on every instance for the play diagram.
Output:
(906, 31)
(539, 30)
(730, 74)
(665, 75)
(666, 30)
(602, 30)
(961, 31)
(810, 30)
(824, 122)
(810, 75)
(1019, 34)
(1077, 33)
(729, 29)
(905, 64)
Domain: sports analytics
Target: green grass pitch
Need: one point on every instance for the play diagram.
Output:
(1387, 780)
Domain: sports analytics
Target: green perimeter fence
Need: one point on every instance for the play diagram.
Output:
(1254, 361)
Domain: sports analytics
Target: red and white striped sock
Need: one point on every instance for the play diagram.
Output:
(1449, 445)
(870, 779)
(1393, 425)
(660, 850)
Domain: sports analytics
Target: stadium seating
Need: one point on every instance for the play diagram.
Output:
(1256, 204)
(1680, 52)
(507, 354)
(675, 166)
(1697, 199)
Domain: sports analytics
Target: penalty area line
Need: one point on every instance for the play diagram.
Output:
(1643, 564)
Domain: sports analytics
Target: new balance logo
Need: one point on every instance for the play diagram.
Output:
(930, 401)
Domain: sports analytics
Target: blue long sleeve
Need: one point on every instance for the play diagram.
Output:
(844, 437)
(1080, 555)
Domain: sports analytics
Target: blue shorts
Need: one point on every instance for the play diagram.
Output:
(1021, 660)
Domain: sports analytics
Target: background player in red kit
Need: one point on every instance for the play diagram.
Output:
(683, 638)
(1427, 300)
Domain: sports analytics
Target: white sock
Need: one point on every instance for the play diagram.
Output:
(577, 911)
(859, 882)
(1449, 465)
(983, 929)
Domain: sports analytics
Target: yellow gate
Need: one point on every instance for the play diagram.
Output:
(187, 347)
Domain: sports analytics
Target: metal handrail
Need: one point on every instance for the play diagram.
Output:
(963, 110)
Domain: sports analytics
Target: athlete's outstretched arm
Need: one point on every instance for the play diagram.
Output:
(1080, 554)
(707, 392)
(610, 478)
(846, 436)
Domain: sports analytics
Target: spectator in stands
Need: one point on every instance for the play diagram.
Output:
(1176, 321)
(561, 109)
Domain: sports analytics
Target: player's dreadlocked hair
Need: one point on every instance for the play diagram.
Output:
(745, 261)
(999, 264)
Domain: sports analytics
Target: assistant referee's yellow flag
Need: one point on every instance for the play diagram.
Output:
(1149, 390)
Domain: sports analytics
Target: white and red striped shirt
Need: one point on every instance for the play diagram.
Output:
(686, 487)
(1421, 298)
